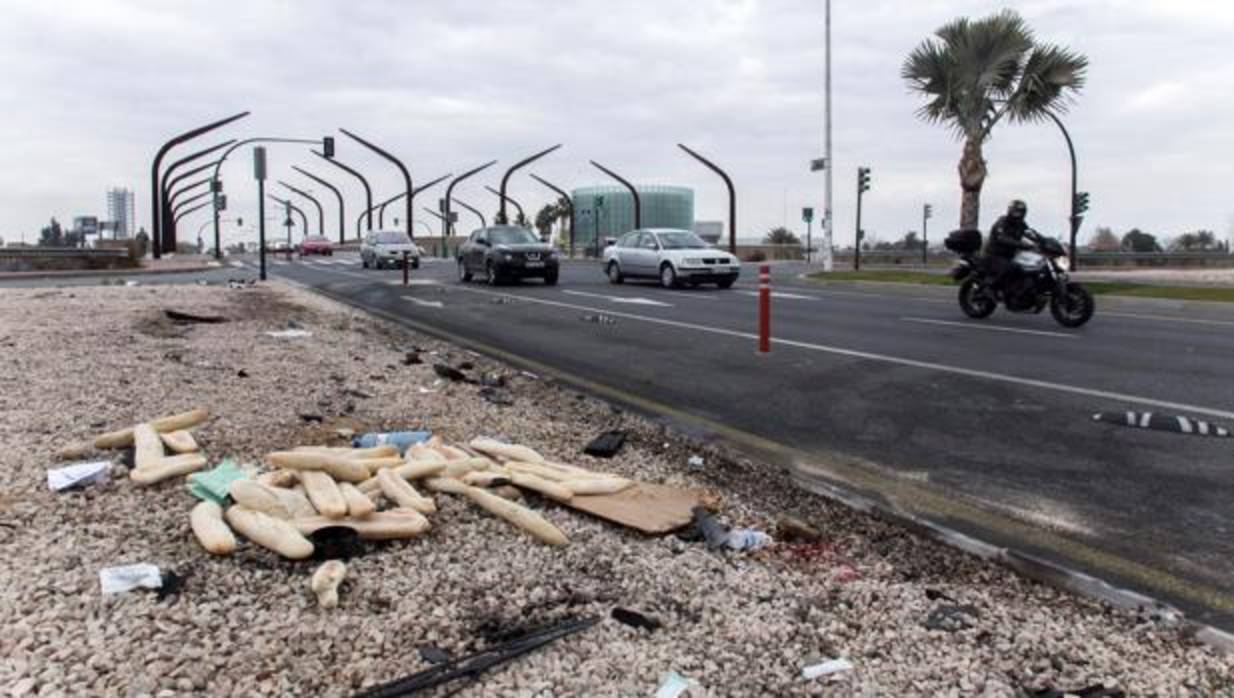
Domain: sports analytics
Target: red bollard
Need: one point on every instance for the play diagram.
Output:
(406, 267)
(764, 309)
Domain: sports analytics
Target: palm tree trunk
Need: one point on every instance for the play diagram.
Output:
(972, 178)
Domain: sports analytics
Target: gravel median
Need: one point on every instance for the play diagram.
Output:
(913, 617)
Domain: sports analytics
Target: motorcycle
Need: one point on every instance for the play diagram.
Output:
(1038, 280)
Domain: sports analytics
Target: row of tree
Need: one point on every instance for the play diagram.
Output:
(1136, 240)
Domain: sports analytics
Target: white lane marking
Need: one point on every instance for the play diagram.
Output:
(430, 304)
(914, 363)
(1146, 419)
(782, 294)
(620, 299)
(415, 282)
(1167, 318)
(1184, 425)
(997, 328)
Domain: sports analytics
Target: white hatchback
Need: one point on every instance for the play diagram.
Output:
(382, 248)
(675, 257)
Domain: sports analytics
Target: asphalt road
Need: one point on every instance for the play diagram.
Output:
(985, 427)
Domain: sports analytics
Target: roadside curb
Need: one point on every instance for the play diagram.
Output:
(829, 485)
(77, 273)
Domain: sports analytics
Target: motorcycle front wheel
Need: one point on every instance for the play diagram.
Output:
(1074, 308)
(976, 301)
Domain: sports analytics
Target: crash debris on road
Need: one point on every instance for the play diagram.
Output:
(417, 538)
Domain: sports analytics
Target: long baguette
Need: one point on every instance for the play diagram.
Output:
(345, 469)
(348, 452)
(359, 505)
(124, 437)
(147, 447)
(505, 451)
(539, 470)
(459, 468)
(324, 493)
(259, 497)
(520, 516)
(598, 485)
(181, 441)
(383, 525)
(211, 531)
(278, 479)
(171, 466)
(269, 532)
(451, 453)
(410, 471)
(403, 494)
(295, 501)
(549, 489)
(486, 478)
(424, 452)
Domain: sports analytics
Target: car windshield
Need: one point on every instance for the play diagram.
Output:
(511, 236)
(681, 241)
(393, 239)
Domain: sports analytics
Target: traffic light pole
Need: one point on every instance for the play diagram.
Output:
(925, 235)
(1076, 218)
(857, 247)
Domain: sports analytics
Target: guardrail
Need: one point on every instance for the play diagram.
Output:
(63, 258)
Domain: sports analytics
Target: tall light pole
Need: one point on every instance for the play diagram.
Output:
(402, 169)
(473, 209)
(368, 191)
(569, 205)
(501, 215)
(321, 212)
(732, 196)
(828, 219)
(454, 182)
(337, 195)
(506, 198)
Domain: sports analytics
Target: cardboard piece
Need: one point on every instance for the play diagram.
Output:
(646, 507)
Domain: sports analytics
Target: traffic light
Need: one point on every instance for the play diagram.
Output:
(216, 186)
(239, 221)
(1081, 202)
(929, 212)
(863, 179)
(220, 202)
(327, 146)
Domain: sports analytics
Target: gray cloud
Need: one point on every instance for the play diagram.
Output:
(93, 87)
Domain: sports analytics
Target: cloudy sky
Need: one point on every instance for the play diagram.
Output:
(92, 87)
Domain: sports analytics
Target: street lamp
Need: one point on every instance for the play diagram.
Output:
(638, 206)
(504, 198)
(454, 182)
(732, 196)
(368, 191)
(292, 207)
(337, 195)
(1076, 218)
(321, 212)
(473, 209)
(501, 215)
(196, 197)
(168, 231)
(569, 205)
(402, 168)
(177, 216)
(155, 200)
(171, 200)
(381, 208)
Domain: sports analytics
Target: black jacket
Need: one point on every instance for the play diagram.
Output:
(1007, 237)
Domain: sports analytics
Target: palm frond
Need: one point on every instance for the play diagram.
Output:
(1051, 78)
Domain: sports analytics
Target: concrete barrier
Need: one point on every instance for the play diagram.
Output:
(18, 259)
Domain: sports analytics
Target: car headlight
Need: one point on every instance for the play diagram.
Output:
(506, 256)
(692, 262)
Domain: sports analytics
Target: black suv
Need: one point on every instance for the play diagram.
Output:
(506, 252)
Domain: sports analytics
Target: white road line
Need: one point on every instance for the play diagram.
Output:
(993, 328)
(782, 294)
(1167, 318)
(620, 299)
(853, 353)
(415, 282)
(238, 265)
(430, 304)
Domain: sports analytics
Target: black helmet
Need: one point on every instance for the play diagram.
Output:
(1017, 210)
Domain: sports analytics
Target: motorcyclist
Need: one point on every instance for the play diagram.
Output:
(1009, 236)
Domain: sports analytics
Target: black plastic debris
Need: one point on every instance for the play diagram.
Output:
(314, 418)
(471, 667)
(173, 584)
(936, 595)
(182, 318)
(606, 445)
(336, 543)
(952, 617)
(1176, 424)
(634, 619)
(433, 654)
(1094, 691)
(242, 374)
(412, 358)
(450, 373)
(466, 366)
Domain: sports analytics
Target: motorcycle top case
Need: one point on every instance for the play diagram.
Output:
(963, 241)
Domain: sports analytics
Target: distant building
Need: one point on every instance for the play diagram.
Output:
(85, 227)
(608, 211)
(120, 212)
(709, 231)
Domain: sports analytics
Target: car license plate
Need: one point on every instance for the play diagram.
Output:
(532, 265)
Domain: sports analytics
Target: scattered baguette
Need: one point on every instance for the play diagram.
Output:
(520, 516)
(359, 506)
(503, 451)
(598, 485)
(211, 531)
(324, 493)
(539, 470)
(410, 471)
(259, 497)
(325, 582)
(181, 441)
(347, 451)
(424, 453)
(270, 533)
(171, 466)
(459, 468)
(403, 494)
(147, 447)
(549, 489)
(383, 525)
(486, 478)
(295, 501)
(278, 478)
(340, 468)
(124, 437)
(451, 453)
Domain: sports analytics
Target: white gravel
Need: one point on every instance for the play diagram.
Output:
(84, 360)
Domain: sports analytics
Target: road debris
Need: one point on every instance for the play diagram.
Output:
(833, 666)
(606, 445)
(288, 334)
(793, 530)
(78, 475)
(1094, 691)
(695, 462)
(214, 485)
(952, 617)
(115, 580)
(325, 583)
(450, 373)
(674, 685)
(634, 619)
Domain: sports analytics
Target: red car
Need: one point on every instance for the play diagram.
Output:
(316, 245)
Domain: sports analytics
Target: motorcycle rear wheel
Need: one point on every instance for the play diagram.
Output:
(1073, 309)
(976, 301)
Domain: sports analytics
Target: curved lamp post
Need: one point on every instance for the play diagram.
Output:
(292, 207)
(732, 196)
(337, 195)
(196, 197)
(171, 200)
(177, 216)
(569, 204)
(381, 207)
(168, 231)
(368, 191)
(638, 206)
(155, 201)
(1076, 219)
(189, 173)
(501, 215)
(219, 166)
(473, 209)
(321, 212)
(402, 168)
(450, 191)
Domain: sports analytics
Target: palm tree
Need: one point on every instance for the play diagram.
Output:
(976, 72)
